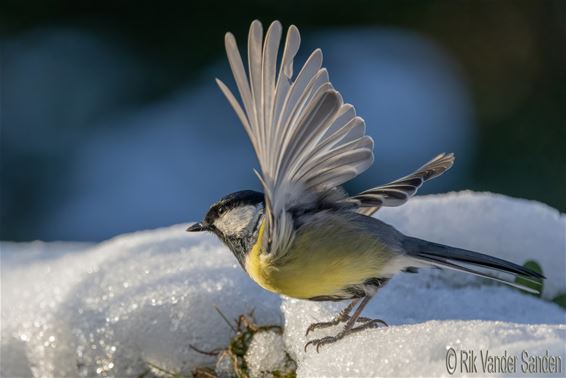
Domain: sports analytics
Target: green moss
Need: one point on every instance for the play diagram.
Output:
(538, 285)
(560, 300)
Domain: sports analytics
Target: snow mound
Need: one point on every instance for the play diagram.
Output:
(125, 306)
(120, 308)
(422, 349)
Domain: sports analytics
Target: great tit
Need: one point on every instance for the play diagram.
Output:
(304, 236)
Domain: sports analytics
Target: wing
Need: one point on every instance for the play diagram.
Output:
(399, 191)
(306, 139)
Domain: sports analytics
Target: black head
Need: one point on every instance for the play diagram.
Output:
(235, 219)
(224, 205)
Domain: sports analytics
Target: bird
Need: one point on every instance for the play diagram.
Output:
(304, 236)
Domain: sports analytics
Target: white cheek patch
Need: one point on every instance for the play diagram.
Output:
(237, 220)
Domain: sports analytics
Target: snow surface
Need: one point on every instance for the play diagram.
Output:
(266, 354)
(142, 299)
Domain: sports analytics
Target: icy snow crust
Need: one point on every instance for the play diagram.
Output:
(140, 299)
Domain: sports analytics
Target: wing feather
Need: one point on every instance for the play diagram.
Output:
(398, 192)
(306, 139)
(332, 158)
(270, 62)
(240, 76)
(255, 71)
(294, 103)
(283, 85)
(319, 112)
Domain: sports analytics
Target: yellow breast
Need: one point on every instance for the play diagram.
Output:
(258, 267)
(321, 261)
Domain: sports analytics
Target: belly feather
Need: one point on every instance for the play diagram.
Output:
(316, 266)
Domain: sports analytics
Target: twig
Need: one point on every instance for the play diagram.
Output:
(225, 318)
(214, 352)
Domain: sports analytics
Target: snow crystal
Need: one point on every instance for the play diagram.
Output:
(140, 301)
(266, 353)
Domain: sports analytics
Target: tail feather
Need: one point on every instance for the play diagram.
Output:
(444, 256)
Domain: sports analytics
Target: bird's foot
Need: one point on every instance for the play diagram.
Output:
(368, 324)
(333, 322)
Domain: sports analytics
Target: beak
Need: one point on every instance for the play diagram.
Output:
(197, 227)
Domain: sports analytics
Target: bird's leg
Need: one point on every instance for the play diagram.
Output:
(341, 317)
(349, 327)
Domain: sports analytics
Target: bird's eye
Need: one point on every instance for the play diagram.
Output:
(221, 210)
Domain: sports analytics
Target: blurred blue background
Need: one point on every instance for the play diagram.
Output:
(111, 121)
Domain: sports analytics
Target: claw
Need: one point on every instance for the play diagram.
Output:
(320, 342)
(326, 340)
(380, 322)
(371, 323)
(314, 326)
(307, 345)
